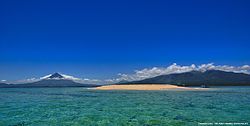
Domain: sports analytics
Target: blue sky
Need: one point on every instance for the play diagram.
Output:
(99, 39)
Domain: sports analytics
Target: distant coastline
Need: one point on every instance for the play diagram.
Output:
(199, 79)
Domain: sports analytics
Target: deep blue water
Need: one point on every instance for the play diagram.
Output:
(80, 106)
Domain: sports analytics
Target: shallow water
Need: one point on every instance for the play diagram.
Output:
(80, 106)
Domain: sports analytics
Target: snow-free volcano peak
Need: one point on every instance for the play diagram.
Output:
(55, 76)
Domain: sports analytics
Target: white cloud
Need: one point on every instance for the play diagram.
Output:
(44, 77)
(3, 80)
(70, 77)
(29, 80)
(174, 68)
(89, 81)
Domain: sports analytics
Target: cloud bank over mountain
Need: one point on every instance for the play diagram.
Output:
(174, 68)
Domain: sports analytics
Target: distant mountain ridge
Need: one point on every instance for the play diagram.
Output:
(193, 78)
(197, 78)
(54, 80)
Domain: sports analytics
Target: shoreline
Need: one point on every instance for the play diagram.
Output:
(146, 87)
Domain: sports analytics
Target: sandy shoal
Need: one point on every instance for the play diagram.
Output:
(143, 87)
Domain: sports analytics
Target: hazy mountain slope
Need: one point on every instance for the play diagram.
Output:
(196, 78)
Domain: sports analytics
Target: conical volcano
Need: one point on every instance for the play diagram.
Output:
(53, 80)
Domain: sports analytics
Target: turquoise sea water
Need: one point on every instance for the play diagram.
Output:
(80, 106)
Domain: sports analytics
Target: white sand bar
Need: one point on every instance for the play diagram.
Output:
(144, 87)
